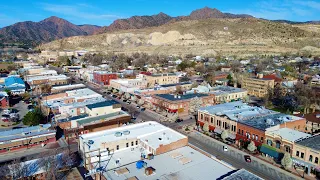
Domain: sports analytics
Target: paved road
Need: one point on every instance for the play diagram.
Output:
(152, 116)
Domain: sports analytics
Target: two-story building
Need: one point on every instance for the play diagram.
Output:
(160, 79)
(103, 77)
(180, 103)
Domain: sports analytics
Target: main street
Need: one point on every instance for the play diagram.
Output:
(148, 115)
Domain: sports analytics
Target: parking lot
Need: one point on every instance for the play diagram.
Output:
(22, 110)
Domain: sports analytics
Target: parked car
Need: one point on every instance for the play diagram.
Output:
(6, 111)
(247, 158)
(125, 100)
(13, 110)
(128, 102)
(142, 109)
(178, 120)
(30, 107)
(138, 107)
(225, 148)
(27, 101)
(114, 96)
(5, 117)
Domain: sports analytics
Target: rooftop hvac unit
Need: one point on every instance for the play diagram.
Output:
(118, 134)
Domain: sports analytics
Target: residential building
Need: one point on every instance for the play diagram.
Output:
(71, 68)
(257, 86)
(103, 77)
(28, 137)
(283, 139)
(143, 149)
(246, 123)
(180, 103)
(313, 122)
(15, 84)
(306, 154)
(160, 79)
(128, 85)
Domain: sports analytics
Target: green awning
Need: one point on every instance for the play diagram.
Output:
(269, 151)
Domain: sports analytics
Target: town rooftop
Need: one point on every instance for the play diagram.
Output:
(172, 97)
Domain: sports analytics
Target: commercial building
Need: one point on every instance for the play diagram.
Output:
(70, 102)
(63, 88)
(103, 77)
(142, 151)
(160, 79)
(26, 137)
(313, 122)
(283, 139)
(257, 86)
(164, 89)
(306, 154)
(246, 123)
(225, 94)
(15, 84)
(180, 103)
(128, 85)
(52, 80)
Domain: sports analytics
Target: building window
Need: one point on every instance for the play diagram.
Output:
(127, 144)
(212, 120)
(242, 132)
(257, 137)
(269, 142)
(117, 147)
(310, 158)
(201, 116)
(316, 160)
(136, 142)
(278, 144)
(302, 155)
(239, 131)
(297, 153)
(132, 143)
(261, 139)
(288, 149)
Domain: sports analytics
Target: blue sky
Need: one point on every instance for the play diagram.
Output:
(104, 12)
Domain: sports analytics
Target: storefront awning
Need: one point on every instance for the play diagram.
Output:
(232, 136)
(270, 152)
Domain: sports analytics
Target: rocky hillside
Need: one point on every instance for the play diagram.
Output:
(44, 31)
(140, 22)
(242, 36)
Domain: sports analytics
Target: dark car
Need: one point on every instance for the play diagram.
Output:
(142, 109)
(128, 102)
(178, 120)
(247, 158)
(30, 107)
(124, 100)
(114, 96)
(14, 110)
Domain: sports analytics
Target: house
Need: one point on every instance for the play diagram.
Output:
(15, 84)
(180, 103)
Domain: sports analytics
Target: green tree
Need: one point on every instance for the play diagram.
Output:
(224, 135)
(206, 127)
(33, 118)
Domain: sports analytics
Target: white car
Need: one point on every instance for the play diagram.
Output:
(225, 148)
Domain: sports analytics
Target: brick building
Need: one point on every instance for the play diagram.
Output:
(103, 77)
(180, 103)
(257, 86)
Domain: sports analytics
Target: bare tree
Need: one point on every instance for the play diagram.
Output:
(224, 135)
(194, 105)
(251, 146)
(286, 161)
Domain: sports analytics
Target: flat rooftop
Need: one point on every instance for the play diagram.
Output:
(241, 174)
(176, 84)
(289, 134)
(158, 75)
(172, 97)
(149, 132)
(220, 90)
(25, 132)
(312, 142)
(181, 163)
(69, 86)
(55, 77)
(102, 104)
(102, 118)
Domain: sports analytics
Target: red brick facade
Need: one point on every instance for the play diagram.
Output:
(248, 133)
(103, 78)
